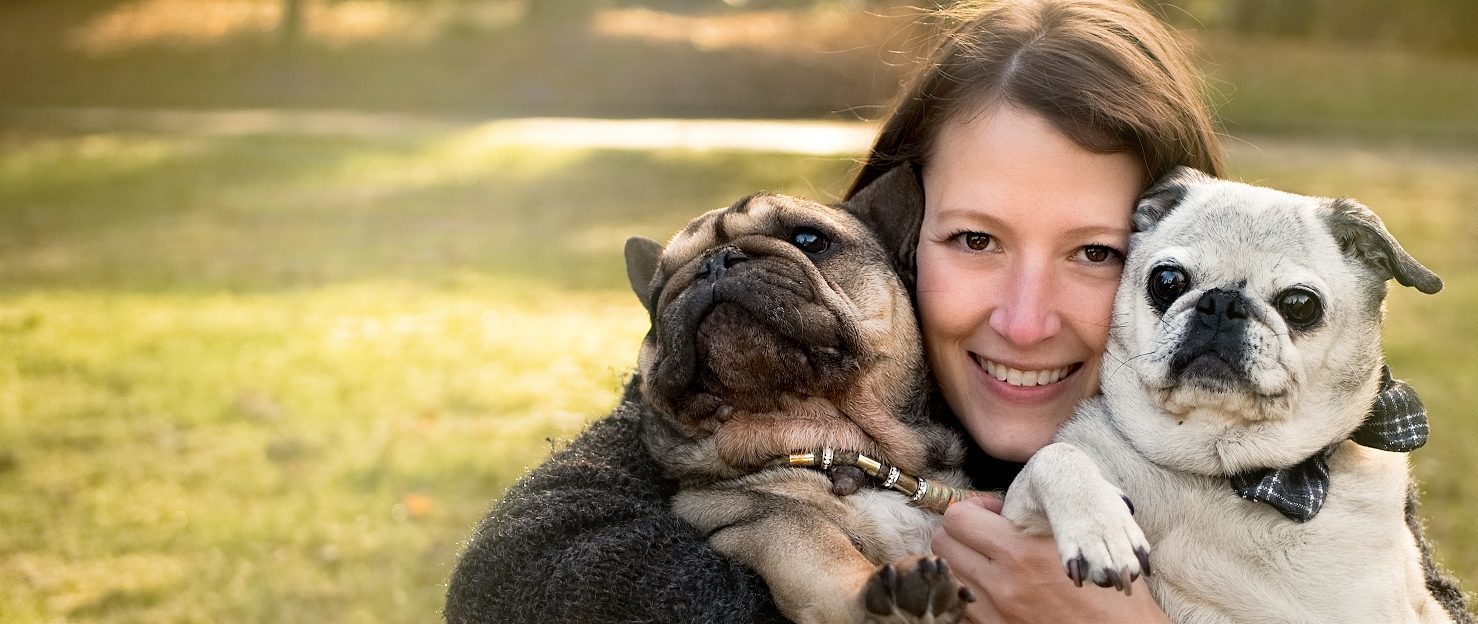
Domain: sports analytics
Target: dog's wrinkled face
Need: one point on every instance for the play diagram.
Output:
(1250, 319)
(773, 296)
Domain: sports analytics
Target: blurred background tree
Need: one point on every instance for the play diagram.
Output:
(1274, 64)
(560, 12)
(1442, 25)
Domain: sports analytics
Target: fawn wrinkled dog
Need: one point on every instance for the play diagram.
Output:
(780, 326)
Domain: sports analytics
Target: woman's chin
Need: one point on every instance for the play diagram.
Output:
(1015, 450)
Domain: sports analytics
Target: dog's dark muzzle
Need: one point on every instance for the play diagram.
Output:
(749, 322)
(1214, 350)
(716, 265)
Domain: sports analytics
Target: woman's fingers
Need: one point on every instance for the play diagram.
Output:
(974, 570)
(989, 500)
(976, 523)
(1020, 578)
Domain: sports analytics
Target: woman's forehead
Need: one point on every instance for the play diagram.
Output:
(1009, 165)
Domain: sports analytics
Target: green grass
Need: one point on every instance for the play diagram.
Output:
(1284, 85)
(278, 379)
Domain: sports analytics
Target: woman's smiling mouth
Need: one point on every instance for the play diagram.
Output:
(1024, 378)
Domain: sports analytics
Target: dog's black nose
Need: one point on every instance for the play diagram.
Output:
(719, 261)
(1217, 306)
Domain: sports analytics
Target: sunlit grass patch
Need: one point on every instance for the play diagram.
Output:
(302, 447)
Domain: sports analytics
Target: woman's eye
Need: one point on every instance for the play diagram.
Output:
(1098, 254)
(976, 241)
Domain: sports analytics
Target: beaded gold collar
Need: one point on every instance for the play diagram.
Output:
(935, 497)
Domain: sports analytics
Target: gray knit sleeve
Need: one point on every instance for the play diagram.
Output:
(588, 537)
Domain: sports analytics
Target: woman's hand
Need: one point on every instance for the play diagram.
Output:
(1019, 577)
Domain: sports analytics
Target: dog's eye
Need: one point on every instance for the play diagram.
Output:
(810, 240)
(1300, 307)
(1167, 283)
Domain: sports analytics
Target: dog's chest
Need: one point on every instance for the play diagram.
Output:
(887, 527)
(1215, 552)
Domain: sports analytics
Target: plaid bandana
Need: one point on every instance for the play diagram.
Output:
(1397, 422)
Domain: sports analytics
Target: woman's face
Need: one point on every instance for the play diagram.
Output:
(1019, 255)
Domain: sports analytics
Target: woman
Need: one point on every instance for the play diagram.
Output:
(1034, 127)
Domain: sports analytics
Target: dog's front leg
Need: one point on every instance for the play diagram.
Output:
(812, 564)
(1061, 491)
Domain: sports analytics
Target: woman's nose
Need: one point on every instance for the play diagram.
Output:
(1026, 314)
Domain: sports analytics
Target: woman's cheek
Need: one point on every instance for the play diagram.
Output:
(941, 297)
(1099, 313)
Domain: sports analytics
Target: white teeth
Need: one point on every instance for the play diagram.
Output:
(1024, 379)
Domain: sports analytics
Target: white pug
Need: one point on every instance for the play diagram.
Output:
(1236, 416)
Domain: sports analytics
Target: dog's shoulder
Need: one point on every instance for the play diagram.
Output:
(1093, 430)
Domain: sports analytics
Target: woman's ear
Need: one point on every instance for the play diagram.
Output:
(892, 206)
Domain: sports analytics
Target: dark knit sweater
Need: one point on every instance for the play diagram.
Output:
(588, 537)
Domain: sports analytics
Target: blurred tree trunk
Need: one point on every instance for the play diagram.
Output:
(561, 13)
(1281, 17)
(1246, 15)
(290, 30)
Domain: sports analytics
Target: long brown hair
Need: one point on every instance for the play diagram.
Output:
(1105, 73)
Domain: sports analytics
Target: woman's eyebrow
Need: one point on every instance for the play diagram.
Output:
(969, 215)
(1099, 230)
(976, 215)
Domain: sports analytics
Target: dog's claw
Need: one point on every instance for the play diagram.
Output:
(1076, 569)
(1101, 542)
(1120, 580)
(724, 412)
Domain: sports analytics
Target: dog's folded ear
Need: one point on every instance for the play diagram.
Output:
(892, 206)
(1362, 235)
(1163, 196)
(642, 255)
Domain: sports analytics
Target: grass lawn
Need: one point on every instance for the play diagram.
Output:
(278, 378)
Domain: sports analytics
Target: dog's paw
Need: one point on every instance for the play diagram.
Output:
(917, 589)
(1104, 546)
